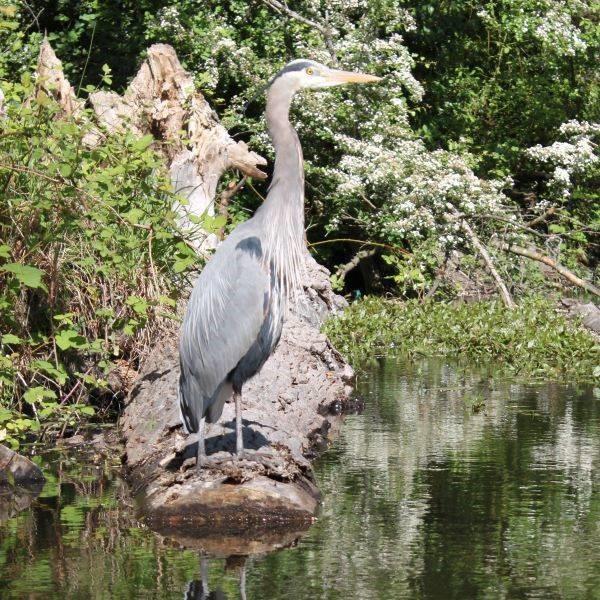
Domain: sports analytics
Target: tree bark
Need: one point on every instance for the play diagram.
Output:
(290, 409)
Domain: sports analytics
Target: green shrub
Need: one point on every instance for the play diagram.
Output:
(91, 261)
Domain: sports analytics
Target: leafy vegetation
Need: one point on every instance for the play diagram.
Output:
(469, 88)
(533, 340)
(91, 262)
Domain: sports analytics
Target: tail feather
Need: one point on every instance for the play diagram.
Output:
(190, 402)
(194, 405)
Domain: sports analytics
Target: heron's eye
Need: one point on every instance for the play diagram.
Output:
(309, 70)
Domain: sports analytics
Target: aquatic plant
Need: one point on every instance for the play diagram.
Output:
(534, 340)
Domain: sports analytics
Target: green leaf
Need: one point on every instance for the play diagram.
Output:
(4, 251)
(34, 394)
(27, 275)
(70, 339)
(554, 228)
(134, 215)
(65, 170)
(58, 374)
(9, 338)
(143, 142)
(183, 263)
(213, 223)
(87, 410)
(139, 305)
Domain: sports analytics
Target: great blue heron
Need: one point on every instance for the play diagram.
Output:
(235, 313)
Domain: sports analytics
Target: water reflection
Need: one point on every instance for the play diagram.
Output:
(199, 588)
(452, 484)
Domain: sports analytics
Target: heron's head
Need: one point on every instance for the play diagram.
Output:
(308, 74)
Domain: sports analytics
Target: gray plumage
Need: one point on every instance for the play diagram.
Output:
(235, 314)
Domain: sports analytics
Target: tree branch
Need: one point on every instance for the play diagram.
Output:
(323, 30)
(534, 255)
(343, 270)
(542, 217)
(476, 242)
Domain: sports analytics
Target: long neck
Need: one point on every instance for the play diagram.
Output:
(289, 168)
(283, 209)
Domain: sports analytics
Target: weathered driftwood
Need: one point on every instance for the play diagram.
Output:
(51, 80)
(287, 408)
(162, 101)
(288, 411)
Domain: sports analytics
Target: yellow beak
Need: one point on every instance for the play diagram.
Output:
(349, 77)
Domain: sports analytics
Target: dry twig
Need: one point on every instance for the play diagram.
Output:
(476, 242)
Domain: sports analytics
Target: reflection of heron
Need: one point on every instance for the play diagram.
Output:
(198, 589)
(235, 313)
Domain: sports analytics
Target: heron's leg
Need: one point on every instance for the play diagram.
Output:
(201, 452)
(243, 582)
(239, 439)
(204, 577)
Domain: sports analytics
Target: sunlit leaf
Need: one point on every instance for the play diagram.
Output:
(26, 274)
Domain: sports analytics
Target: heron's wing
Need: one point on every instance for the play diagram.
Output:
(225, 313)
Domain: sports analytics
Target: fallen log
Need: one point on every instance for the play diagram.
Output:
(289, 410)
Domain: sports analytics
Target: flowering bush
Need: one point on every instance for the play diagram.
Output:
(578, 156)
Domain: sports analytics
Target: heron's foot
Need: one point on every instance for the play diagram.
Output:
(207, 462)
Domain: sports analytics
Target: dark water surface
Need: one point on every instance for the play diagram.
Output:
(449, 485)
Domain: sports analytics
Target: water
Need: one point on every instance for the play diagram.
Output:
(449, 485)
